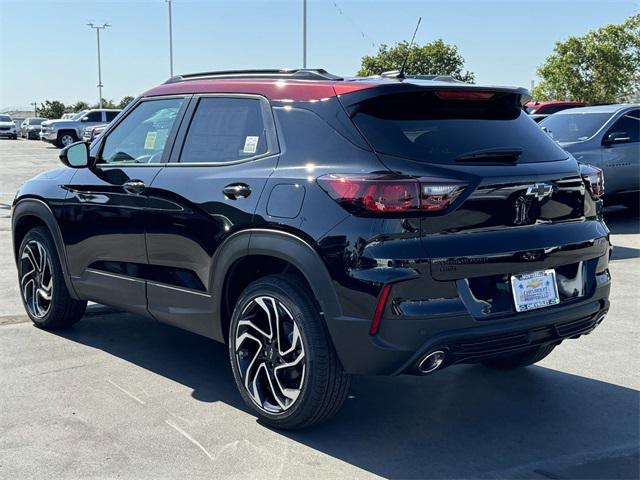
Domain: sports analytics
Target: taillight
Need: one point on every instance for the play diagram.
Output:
(594, 178)
(366, 194)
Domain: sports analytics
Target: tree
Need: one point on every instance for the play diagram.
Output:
(435, 58)
(51, 109)
(105, 104)
(125, 101)
(77, 107)
(602, 66)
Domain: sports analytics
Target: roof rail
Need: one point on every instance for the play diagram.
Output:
(295, 74)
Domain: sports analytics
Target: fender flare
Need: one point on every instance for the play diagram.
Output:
(279, 244)
(38, 208)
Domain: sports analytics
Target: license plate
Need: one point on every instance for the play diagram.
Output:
(534, 290)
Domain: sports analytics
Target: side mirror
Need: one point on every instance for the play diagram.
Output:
(84, 119)
(616, 137)
(76, 155)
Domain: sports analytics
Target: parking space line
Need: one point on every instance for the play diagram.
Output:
(141, 402)
(189, 437)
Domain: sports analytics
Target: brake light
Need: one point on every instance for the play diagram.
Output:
(367, 194)
(464, 95)
(594, 178)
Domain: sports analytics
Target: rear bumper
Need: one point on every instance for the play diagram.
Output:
(402, 343)
(462, 304)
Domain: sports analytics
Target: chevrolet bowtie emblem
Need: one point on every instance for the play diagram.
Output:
(539, 190)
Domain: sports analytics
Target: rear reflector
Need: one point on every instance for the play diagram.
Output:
(377, 316)
(464, 95)
(380, 194)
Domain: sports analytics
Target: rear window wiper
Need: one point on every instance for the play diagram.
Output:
(498, 155)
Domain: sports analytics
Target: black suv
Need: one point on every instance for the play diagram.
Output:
(323, 227)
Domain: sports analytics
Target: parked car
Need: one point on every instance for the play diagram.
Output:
(30, 128)
(68, 116)
(65, 132)
(8, 128)
(90, 133)
(606, 136)
(547, 108)
(323, 227)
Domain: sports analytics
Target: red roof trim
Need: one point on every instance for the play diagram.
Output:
(272, 89)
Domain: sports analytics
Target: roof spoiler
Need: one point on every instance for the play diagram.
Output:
(417, 83)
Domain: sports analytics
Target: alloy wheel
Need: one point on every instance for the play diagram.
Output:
(36, 279)
(66, 140)
(270, 354)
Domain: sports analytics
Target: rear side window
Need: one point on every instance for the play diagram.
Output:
(94, 117)
(424, 127)
(225, 130)
(111, 115)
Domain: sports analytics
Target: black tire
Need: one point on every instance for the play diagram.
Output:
(63, 136)
(63, 310)
(323, 385)
(520, 359)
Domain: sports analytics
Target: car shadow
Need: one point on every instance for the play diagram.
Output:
(467, 421)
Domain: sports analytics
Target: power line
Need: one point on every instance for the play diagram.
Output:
(356, 26)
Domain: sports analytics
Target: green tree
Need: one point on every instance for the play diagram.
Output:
(435, 58)
(105, 104)
(125, 101)
(602, 66)
(51, 109)
(77, 107)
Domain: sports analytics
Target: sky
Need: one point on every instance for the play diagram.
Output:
(48, 52)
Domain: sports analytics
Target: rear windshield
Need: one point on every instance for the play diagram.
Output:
(422, 126)
(574, 127)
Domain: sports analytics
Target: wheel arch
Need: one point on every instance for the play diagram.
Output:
(281, 247)
(29, 213)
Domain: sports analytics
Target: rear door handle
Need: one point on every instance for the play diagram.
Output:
(236, 190)
(135, 187)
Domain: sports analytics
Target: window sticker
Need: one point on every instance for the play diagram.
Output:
(150, 141)
(250, 144)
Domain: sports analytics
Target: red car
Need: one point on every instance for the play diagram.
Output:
(547, 108)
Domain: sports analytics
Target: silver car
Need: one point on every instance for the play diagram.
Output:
(606, 136)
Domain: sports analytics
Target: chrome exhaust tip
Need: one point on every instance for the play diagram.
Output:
(601, 316)
(431, 362)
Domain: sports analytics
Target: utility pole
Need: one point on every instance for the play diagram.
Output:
(170, 40)
(35, 108)
(304, 33)
(97, 29)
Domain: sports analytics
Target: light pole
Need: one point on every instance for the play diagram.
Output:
(170, 40)
(304, 33)
(35, 108)
(97, 29)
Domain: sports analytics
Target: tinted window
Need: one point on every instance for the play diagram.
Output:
(628, 124)
(423, 126)
(111, 115)
(94, 117)
(225, 129)
(142, 135)
(574, 127)
(36, 121)
(5, 118)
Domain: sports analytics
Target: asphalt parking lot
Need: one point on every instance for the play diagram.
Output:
(118, 396)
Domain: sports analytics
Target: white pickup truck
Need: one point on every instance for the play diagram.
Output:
(65, 132)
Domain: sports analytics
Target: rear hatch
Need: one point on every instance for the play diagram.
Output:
(523, 205)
